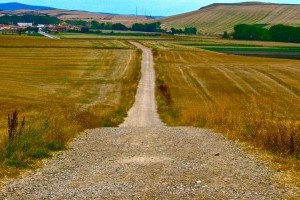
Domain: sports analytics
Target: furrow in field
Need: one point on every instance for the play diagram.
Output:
(229, 77)
(188, 82)
(289, 88)
(260, 79)
(198, 84)
(243, 79)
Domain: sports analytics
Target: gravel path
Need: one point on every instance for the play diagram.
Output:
(149, 163)
(144, 111)
(143, 159)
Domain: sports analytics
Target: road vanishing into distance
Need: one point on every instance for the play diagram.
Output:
(144, 111)
(144, 159)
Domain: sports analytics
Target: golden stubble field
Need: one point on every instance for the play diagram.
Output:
(246, 98)
(62, 87)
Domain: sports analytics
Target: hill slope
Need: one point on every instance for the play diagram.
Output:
(216, 18)
(19, 6)
(20, 9)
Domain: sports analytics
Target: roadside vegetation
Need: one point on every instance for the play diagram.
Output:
(60, 88)
(245, 98)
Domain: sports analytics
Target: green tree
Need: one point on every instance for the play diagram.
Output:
(152, 27)
(96, 25)
(85, 29)
(119, 26)
(77, 22)
(108, 26)
(176, 31)
(190, 30)
(283, 33)
(225, 35)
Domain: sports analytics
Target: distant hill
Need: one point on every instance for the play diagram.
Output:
(19, 6)
(19, 9)
(217, 18)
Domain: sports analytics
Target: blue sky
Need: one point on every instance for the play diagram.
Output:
(151, 7)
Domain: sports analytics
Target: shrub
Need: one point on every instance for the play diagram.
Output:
(15, 130)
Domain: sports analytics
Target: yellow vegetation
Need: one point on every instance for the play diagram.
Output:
(248, 98)
(63, 87)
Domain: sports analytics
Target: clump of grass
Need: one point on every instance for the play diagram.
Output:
(164, 99)
(37, 139)
(15, 130)
(259, 122)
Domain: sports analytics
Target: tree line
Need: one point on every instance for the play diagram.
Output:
(186, 31)
(29, 18)
(139, 27)
(277, 33)
(146, 27)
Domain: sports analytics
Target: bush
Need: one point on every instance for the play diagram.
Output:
(225, 35)
(85, 29)
(152, 27)
(119, 27)
(190, 31)
(277, 33)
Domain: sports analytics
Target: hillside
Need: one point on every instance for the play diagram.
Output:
(217, 18)
(19, 6)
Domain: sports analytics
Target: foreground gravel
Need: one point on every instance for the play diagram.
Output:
(149, 163)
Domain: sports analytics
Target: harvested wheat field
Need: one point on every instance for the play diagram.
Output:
(63, 87)
(249, 98)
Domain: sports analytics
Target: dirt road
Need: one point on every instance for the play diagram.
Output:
(146, 160)
(144, 111)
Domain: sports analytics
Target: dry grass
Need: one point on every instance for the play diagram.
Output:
(220, 18)
(63, 87)
(246, 98)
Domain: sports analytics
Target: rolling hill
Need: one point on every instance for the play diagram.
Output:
(19, 6)
(217, 18)
(63, 14)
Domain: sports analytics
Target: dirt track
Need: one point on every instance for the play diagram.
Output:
(149, 161)
(144, 111)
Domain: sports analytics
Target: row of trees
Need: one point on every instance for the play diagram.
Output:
(151, 27)
(28, 18)
(97, 25)
(187, 31)
(141, 27)
(277, 33)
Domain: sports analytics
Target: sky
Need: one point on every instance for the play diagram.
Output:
(148, 7)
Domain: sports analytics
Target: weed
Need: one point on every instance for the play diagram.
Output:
(14, 129)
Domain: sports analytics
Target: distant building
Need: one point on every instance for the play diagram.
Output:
(41, 26)
(25, 24)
